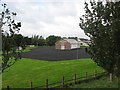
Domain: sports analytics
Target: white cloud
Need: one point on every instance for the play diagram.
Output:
(49, 17)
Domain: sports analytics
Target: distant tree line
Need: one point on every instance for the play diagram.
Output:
(36, 40)
(73, 38)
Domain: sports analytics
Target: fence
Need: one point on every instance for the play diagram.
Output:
(66, 83)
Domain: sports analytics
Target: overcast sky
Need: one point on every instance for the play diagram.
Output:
(49, 17)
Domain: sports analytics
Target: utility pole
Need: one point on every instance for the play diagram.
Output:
(1, 24)
(0, 52)
(0, 34)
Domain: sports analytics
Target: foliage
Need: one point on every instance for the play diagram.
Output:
(27, 40)
(29, 48)
(102, 23)
(99, 84)
(37, 71)
(38, 40)
(9, 45)
(51, 40)
(73, 38)
(20, 41)
(41, 41)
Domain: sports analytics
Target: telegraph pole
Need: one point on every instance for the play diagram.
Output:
(0, 52)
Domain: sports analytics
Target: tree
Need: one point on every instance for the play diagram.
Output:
(38, 40)
(73, 38)
(10, 54)
(35, 40)
(41, 41)
(50, 40)
(27, 40)
(102, 23)
(20, 41)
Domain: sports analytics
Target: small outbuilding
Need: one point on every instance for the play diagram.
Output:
(84, 42)
(67, 44)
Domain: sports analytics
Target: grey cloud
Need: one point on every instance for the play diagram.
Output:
(39, 17)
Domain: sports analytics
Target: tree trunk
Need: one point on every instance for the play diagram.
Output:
(111, 77)
(0, 37)
(0, 45)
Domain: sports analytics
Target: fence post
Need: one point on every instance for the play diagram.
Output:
(63, 81)
(75, 79)
(8, 88)
(31, 85)
(46, 83)
(86, 76)
(95, 72)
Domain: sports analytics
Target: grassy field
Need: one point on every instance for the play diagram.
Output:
(26, 70)
(84, 46)
(100, 83)
(28, 49)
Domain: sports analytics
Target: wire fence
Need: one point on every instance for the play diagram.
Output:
(67, 83)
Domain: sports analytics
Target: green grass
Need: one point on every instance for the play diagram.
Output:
(27, 49)
(84, 46)
(37, 71)
(100, 83)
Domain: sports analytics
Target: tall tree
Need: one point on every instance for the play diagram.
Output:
(50, 40)
(101, 23)
(35, 40)
(20, 40)
(9, 46)
(27, 40)
(38, 40)
(41, 41)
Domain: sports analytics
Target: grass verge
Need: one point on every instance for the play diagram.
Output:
(28, 49)
(99, 83)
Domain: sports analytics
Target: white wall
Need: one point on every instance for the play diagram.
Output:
(83, 43)
(75, 45)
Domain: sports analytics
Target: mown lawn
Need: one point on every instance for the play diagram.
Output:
(28, 48)
(100, 83)
(26, 70)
